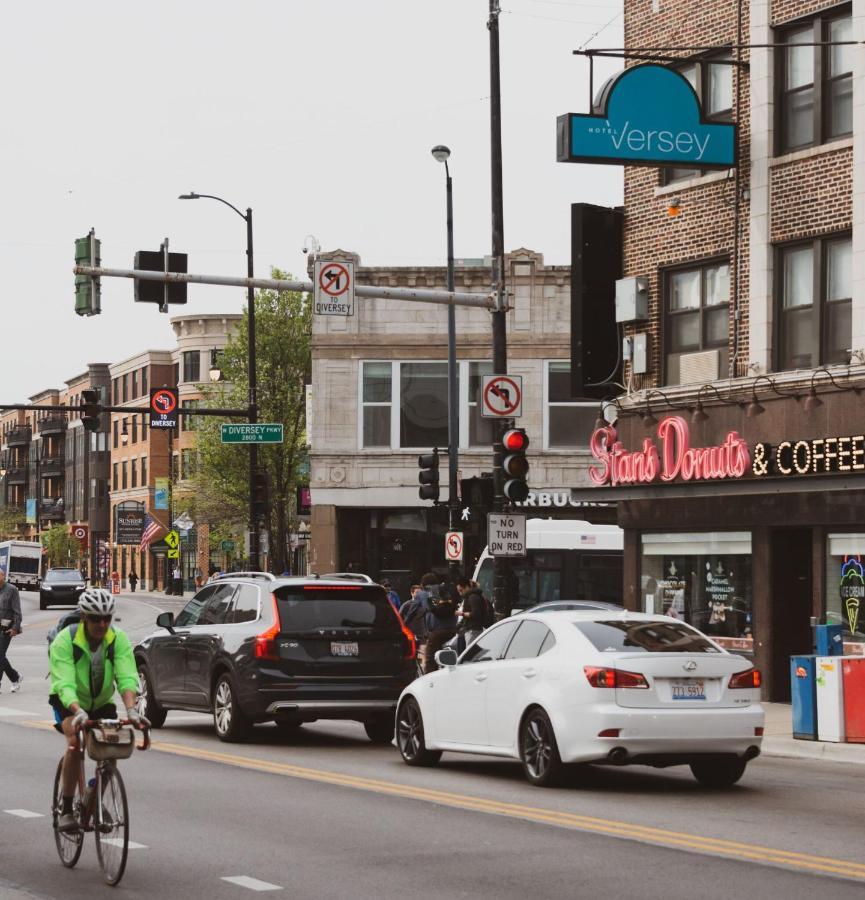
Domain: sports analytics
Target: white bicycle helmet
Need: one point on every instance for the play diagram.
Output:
(96, 602)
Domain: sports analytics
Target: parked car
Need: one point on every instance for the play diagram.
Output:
(568, 606)
(589, 687)
(254, 648)
(61, 587)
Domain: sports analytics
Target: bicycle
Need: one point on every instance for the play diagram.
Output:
(101, 808)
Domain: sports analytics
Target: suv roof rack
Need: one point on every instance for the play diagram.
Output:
(348, 576)
(266, 575)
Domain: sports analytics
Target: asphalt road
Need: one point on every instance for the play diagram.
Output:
(326, 814)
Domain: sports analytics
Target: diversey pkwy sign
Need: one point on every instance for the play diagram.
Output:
(650, 116)
(260, 433)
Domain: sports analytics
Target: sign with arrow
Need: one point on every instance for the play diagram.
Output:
(502, 396)
(333, 288)
(454, 546)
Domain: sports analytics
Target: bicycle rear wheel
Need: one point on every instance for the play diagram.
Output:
(69, 844)
(111, 824)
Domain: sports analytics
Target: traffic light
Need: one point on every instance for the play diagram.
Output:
(477, 493)
(88, 291)
(516, 467)
(261, 493)
(428, 477)
(157, 291)
(90, 413)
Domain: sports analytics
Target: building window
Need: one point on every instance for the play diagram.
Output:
(376, 403)
(125, 386)
(144, 471)
(115, 484)
(815, 102)
(712, 80)
(480, 433)
(116, 391)
(815, 288)
(134, 430)
(845, 585)
(125, 470)
(190, 423)
(423, 413)
(135, 384)
(568, 423)
(192, 366)
(134, 473)
(703, 578)
(144, 380)
(697, 303)
(115, 425)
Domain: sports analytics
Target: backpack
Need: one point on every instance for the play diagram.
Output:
(489, 612)
(71, 620)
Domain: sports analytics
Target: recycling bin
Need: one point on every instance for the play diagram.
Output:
(853, 676)
(803, 689)
(829, 640)
(830, 699)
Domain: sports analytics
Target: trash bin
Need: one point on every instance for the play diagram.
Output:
(829, 640)
(803, 689)
(853, 674)
(830, 699)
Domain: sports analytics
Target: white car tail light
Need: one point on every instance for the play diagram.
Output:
(602, 677)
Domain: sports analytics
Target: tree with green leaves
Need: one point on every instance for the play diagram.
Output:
(62, 548)
(12, 522)
(220, 487)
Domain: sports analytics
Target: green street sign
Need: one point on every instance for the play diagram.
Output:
(226, 546)
(270, 433)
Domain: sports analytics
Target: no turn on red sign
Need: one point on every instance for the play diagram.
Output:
(333, 288)
(454, 546)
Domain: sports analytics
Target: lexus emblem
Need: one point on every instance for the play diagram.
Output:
(689, 666)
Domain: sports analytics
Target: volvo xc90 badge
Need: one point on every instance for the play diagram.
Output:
(689, 666)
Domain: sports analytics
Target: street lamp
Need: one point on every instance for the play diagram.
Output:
(253, 399)
(442, 154)
(215, 372)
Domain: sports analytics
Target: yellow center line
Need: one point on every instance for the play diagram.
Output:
(627, 830)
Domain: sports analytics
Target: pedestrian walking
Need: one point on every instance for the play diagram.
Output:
(440, 618)
(133, 580)
(475, 613)
(392, 595)
(10, 625)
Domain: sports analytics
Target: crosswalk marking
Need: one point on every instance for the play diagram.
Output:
(252, 883)
(24, 813)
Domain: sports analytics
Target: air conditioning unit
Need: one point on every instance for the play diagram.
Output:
(704, 366)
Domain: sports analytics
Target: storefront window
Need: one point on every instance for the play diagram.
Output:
(845, 588)
(703, 578)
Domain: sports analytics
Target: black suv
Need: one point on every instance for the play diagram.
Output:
(61, 587)
(254, 648)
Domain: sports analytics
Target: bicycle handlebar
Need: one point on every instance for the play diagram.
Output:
(145, 741)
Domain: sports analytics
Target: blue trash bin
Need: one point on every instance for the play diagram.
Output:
(803, 688)
(829, 640)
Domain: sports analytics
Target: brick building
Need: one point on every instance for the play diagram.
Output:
(755, 334)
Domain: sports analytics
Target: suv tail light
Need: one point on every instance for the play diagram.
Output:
(750, 678)
(411, 647)
(265, 643)
(601, 677)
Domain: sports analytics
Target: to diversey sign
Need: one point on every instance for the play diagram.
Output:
(650, 116)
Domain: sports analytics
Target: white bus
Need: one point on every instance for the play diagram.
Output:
(20, 560)
(567, 560)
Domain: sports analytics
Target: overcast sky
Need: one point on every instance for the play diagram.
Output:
(319, 115)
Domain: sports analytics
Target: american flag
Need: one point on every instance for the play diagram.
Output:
(151, 529)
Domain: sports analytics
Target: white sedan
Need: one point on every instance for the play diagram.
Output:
(616, 688)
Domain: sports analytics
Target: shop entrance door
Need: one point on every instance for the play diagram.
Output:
(790, 587)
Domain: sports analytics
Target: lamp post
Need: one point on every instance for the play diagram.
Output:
(441, 154)
(253, 398)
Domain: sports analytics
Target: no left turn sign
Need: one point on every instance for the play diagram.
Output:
(454, 546)
(502, 396)
(333, 288)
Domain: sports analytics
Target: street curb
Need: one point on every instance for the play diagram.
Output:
(820, 751)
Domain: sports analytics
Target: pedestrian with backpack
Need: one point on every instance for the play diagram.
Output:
(440, 618)
(474, 614)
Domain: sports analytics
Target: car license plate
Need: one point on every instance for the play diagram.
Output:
(691, 689)
(343, 648)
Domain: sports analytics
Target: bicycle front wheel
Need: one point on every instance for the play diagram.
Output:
(111, 823)
(69, 844)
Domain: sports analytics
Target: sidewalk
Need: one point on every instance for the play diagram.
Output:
(779, 741)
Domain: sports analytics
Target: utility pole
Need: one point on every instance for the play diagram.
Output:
(502, 601)
(254, 556)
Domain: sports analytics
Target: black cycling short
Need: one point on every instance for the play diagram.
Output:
(109, 711)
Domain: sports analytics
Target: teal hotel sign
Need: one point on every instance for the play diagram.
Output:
(648, 115)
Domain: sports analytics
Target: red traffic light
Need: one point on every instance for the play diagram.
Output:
(515, 440)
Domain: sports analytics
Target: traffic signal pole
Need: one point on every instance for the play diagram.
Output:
(502, 599)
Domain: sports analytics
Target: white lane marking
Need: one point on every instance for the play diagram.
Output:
(11, 711)
(24, 813)
(118, 842)
(252, 883)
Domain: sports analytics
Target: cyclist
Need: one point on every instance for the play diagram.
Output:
(86, 661)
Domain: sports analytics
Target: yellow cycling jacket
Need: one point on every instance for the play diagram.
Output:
(69, 657)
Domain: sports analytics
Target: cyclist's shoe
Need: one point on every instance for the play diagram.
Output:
(67, 823)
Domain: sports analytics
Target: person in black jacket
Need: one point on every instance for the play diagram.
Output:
(10, 625)
(473, 613)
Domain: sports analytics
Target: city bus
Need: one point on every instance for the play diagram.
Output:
(567, 560)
